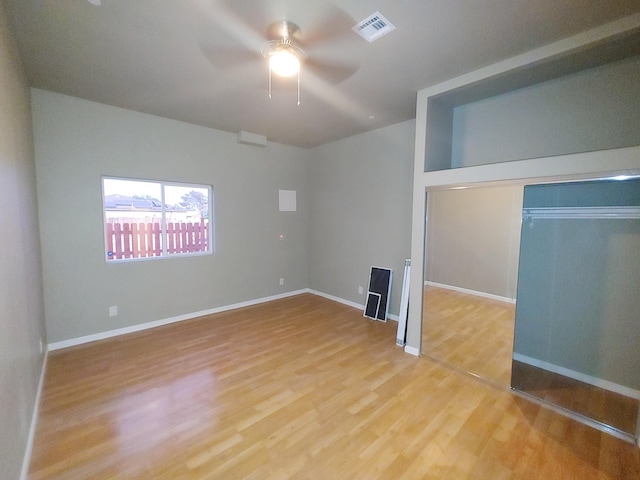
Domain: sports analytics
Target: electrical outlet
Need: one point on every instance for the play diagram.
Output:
(282, 281)
(360, 290)
(113, 311)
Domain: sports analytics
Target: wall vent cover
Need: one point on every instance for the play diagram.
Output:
(373, 27)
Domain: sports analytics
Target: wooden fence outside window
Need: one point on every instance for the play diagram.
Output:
(142, 240)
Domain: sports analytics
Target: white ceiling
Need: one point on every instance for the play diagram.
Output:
(173, 58)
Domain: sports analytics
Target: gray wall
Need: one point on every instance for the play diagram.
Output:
(77, 141)
(473, 238)
(21, 307)
(593, 110)
(360, 190)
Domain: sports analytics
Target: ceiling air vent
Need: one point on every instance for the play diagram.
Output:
(373, 27)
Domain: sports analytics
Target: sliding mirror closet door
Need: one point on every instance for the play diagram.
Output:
(577, 331)
(471, 268)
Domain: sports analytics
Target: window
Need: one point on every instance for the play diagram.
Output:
(148, 219)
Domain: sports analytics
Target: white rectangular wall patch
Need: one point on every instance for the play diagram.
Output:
(287, 200)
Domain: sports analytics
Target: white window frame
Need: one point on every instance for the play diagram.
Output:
(164, 253)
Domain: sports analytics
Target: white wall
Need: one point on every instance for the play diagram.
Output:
(77, 141)
(473, 239)
(361, 211)
(21, 307)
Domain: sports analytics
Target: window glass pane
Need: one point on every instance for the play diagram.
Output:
(146, 219)
(133, 218)
(187, 217)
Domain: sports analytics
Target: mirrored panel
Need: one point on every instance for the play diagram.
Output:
(471, 263)
(577, 329)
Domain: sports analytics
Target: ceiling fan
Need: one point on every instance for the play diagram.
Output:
(282, 47)
(283, 52)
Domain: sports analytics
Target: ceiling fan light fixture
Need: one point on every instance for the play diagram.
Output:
(284, 63)
(282, 52)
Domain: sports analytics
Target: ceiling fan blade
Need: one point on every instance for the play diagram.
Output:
(224, 58)
(332, 72)
(243, 22)
(252, 14)
(333, 24)
(229, 23)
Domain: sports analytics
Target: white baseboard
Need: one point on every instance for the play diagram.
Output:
(471, 292)
(165, 321)
(336, 299)
(26, 460)
(144, 326)
(581, 377)
(412, 350)
(188, 316)
(347, 302)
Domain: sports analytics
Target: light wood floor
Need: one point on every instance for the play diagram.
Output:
(300, 388)
(469, 332)
(607, 407)
(475, 335)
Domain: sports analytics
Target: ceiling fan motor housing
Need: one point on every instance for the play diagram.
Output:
(282, 30)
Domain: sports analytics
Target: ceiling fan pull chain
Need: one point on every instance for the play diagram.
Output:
(299, 86)
(269, 81)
